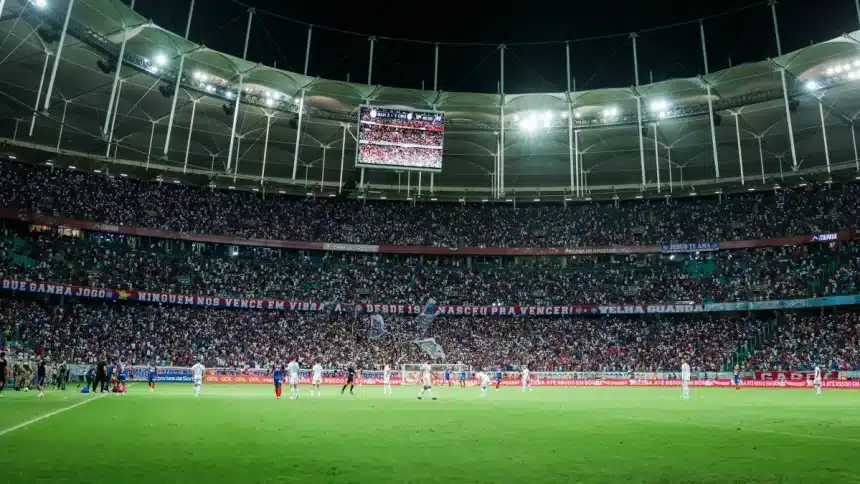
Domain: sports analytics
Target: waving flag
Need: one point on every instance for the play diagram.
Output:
(376, 329)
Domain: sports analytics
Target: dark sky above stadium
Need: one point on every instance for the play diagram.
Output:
(469, 31)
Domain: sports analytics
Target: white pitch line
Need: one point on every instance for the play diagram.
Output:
(47, 415)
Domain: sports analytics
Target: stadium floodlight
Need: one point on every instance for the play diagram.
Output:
(255, 189)
(381, 198)
(529, 124)
(210, 88)
(160, 60)
(587, 199)
(509, 200)
(200, 76)
(537, 199)
(659, 105)
(812, 86)
(97, 171)
(331, 195)
(72, 167)
(577, 114)
(229, 94)
(639, 197)
(484, 200)
(231, 187)
(846, 67)
(610, 112)
(270, 102)
(39, 3)
(176, 181)
(830, 71)
(750, 189)
(433, 199)
(282, 192)
(49, 163)
(123, 175)
(564, 114)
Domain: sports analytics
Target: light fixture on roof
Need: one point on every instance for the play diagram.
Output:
(802, 184)
(97, 171)
(610, 112)
(331, 195)
(49, 163)
(830, 71)
(751, 189)
(564, 114)
(547, 119)
(310, 194)
(123, 175)
(484, 200)
(282, 191)
(577, 114)
(277, 96)
(639, 197)
(72, 167)
(693, 193)
(270, 102)
(12, 157)
(409, 198)
(659, 105)
(210, 88)
(433, 199)
(39, 3)
(200, 76)
(255, 189)
(537, 199)
(568, 199)
(587, 199)
(231, 187)
(846, 67)
(175, 181)
(812, 86)
(383, 197)
(229, 94)
(160, 60)
(529, 124)
(508, 200)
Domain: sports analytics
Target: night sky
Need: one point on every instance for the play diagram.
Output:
(601, 51)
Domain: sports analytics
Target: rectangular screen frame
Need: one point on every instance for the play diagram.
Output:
(393, 167)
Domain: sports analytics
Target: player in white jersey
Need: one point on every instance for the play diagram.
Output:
(685, 379)
(386, 379)
(817, 380)
(197, 377)
(527, 384)
(427, 376)
(316, 381)
(484, 381)
(293, 369)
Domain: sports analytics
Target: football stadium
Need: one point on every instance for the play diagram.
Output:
(258, 242)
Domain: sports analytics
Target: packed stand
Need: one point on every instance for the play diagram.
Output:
(802, 342)
(120, 200)
(118, 262)
(180, 335)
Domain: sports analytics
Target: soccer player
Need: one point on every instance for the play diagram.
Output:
(462, 378)
(316, 381)
(736, 377)
(121, 377)
(3, 365)
(152, 376)
(427, 373)
(350, 379)
(685, 379)
(448, 376)
(89, 376)
(386, 379)
(526, 383)
(100, 376)
(197, 377)
(817, 380)
(484, 380)
(41, 375)
(293, 368)
(498, 377)
(278, 377)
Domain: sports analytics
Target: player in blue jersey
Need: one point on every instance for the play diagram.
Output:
(448, 376)
(121, 378)
(152, 376)
(498, 378)
(736, 377)
(463, 378)
(278, 373)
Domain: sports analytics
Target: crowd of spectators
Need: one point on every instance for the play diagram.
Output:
(398, 135)
(394, 117)
(392, 155)
(121, 200)
(117, 262)
(179, 335)
(800, 343)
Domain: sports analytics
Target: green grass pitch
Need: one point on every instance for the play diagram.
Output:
(552, 435)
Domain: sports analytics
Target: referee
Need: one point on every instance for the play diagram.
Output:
(101, 376)
(350, 380)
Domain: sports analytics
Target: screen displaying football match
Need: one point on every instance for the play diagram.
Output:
(395, 138)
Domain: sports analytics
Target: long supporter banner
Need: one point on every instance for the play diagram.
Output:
(107, 294)
(415, 249)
